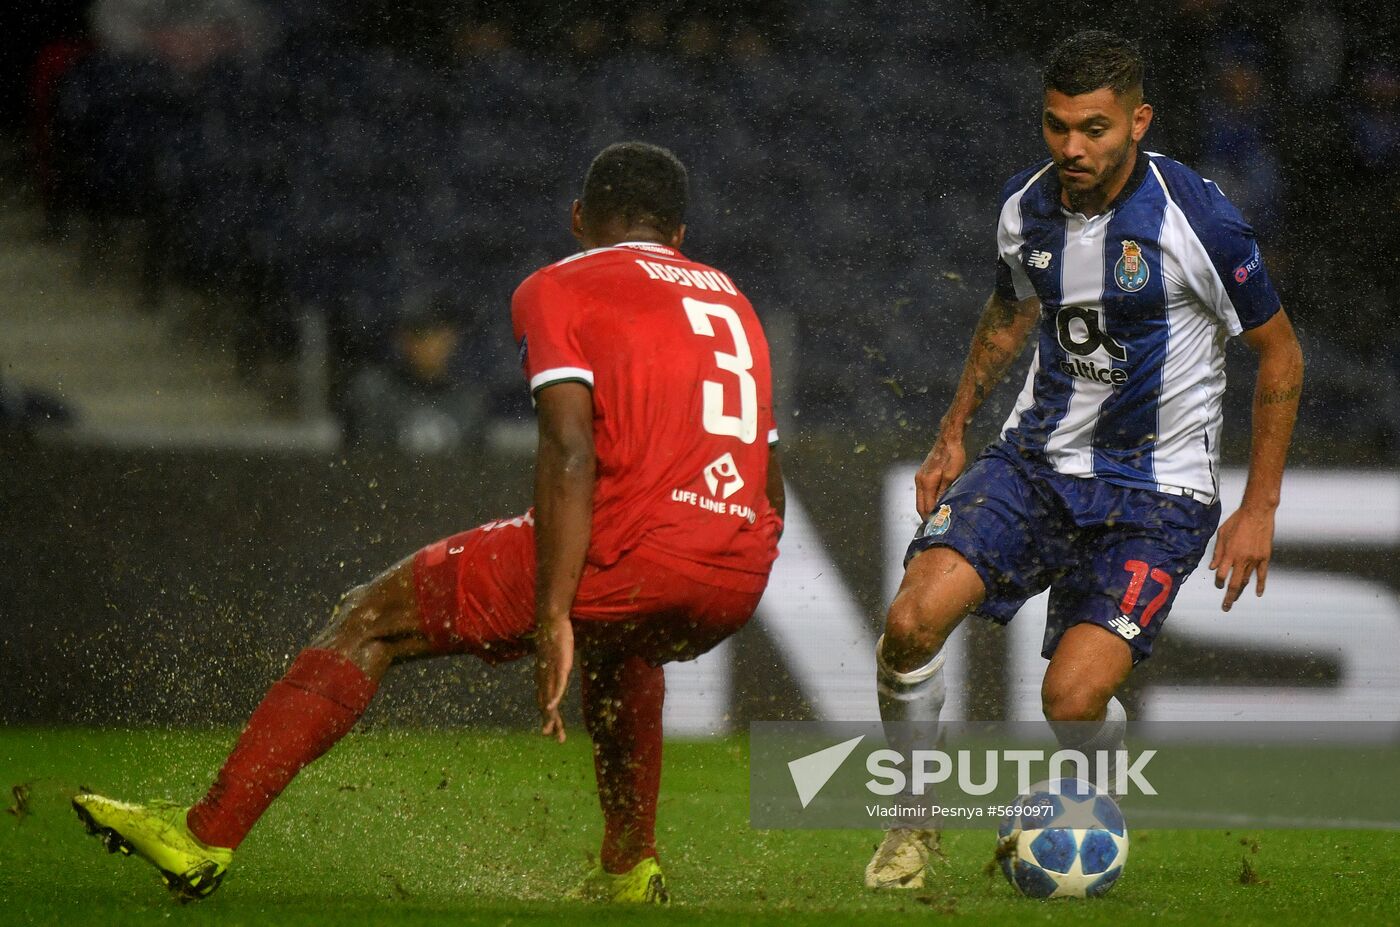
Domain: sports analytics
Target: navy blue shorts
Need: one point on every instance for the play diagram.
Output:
(1111, 555)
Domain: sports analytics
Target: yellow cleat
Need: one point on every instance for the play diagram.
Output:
(156, 833)
(902, 858)
(642, 884)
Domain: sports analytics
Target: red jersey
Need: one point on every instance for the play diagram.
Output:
(682, 404)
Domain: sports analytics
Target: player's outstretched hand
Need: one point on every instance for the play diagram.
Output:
(1242, 549)
(554, 660)
(942, 465)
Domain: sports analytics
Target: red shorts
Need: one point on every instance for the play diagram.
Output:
(476, 594)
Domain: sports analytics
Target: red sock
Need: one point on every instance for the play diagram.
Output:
(315, 704)
(622, 709)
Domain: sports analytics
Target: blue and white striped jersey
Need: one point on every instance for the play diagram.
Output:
(1129, 367)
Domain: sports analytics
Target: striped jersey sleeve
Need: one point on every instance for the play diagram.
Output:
(1230, 279)
(1012, 282)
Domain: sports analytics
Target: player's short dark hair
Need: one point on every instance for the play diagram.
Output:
(636, 182)
(1093, 59)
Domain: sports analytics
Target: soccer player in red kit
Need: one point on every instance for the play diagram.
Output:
(658, 505)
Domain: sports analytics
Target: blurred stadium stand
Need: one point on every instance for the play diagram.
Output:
(846, 160)
(84, 342)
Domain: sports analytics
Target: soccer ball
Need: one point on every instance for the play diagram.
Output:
(1063, 839)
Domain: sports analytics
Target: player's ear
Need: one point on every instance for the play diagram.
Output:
(576, 220)
(678, 236)
(1142, 118)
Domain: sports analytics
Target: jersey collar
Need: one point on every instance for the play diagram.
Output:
(1135, 179)
(650, 247)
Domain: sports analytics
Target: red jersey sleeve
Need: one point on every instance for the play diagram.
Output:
(547, 319)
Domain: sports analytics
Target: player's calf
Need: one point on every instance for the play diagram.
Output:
(1077, 697)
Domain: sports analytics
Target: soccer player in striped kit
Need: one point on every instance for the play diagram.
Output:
(1132, 271)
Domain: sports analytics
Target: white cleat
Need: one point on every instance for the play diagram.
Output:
(901, 859)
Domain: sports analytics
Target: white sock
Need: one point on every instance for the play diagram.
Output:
(1109, 737)
(910, 704)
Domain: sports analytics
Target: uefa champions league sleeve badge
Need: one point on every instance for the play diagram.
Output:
(1130, 273)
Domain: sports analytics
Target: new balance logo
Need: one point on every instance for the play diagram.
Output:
(1126, 627)
(1039, 259)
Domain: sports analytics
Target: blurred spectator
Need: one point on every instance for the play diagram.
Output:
(698, 42)
(646, 31)
(187, 35)
(414, 402)
(1373, 205)
(53, 164)
(838, 151)
(749, 44)
(481, 39)
(1236, 152)
(1315, 41)
(589, 40)
(23, 409)
(1375, 122)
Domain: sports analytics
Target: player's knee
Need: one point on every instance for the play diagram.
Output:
(355, 620)
(922, 616)
(1066, 704)
(903, 623)
(911, 639)
(939, 588)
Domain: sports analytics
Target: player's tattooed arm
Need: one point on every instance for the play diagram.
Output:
(1244, 545)
(565, 467)
(996, 343)
(1272, 397)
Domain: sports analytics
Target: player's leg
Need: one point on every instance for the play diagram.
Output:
(938, 590)
(973, 554)
(316, 702)
(989, 528)
(1088, 667)
(1105, 615)
(622, 698)
(1078, 694)
(628, 621)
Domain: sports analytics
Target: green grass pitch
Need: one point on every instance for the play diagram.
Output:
(411, 827)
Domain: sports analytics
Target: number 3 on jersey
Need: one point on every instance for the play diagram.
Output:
(743, 426)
